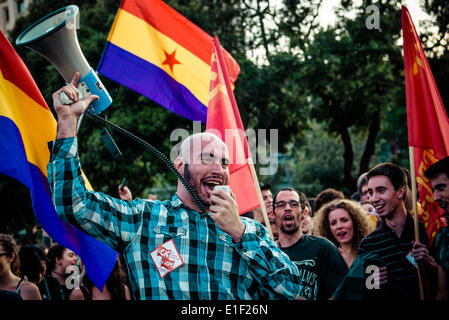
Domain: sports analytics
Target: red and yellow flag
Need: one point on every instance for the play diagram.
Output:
(428, 124)
(223, 119)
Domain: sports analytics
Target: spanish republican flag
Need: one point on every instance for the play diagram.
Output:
(26, 126)
(223, 119)
(428, 124)
(154, 50)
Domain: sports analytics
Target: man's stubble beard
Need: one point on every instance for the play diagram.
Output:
(289, 231)
(195, 187)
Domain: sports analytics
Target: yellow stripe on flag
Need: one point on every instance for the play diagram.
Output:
(37, 125)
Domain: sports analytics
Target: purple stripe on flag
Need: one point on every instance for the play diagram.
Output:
(150, 81)
(98, 258)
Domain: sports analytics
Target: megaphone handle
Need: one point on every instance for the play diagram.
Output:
(82, 88)
(80, 120)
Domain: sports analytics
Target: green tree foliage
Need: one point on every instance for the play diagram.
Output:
(352, 74)
(440, 11)
(437, 45)
(269, 97)
(313, 162)
(299, 23)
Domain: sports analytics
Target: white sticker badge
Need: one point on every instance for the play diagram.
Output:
(166, 257)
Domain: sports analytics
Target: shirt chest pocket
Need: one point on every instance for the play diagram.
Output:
(163, 234)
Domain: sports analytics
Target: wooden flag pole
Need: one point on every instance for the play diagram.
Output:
(415, 214)
(259, 195)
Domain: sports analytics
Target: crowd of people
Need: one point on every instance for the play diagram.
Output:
(35, 272)
(364, 247)
(375, 227)
(324, 243)
(331, 245)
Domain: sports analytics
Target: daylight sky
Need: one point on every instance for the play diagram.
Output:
(327, 15)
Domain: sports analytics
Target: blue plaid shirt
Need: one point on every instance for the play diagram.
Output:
(215, 267)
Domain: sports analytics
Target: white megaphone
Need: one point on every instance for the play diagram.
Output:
(54, 37)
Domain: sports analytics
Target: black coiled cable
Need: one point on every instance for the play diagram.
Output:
(153, 150)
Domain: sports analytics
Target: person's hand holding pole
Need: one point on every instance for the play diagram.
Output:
(421, 254)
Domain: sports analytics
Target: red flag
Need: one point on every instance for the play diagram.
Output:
(428, 124)
(223, 119)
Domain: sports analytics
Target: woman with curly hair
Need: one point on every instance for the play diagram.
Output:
(9, 271)
(344, 223)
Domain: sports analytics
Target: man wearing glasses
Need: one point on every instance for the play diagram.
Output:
(320, 265)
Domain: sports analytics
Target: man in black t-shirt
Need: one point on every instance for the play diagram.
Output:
(320, 264)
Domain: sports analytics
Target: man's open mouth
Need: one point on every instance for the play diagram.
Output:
(209, 183)
(379, 207)
(288, 217)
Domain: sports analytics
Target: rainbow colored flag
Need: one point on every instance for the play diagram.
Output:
(155, 51)
(26, 127)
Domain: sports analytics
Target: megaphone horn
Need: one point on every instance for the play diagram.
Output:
(54, 37)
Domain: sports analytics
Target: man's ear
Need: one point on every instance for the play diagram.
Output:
(305, 212)
(402, 192)
(179, 165)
